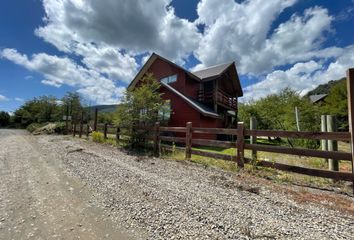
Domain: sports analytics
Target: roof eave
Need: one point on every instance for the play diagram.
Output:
(189, 102)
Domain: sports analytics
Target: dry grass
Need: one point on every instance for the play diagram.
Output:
(273, 174)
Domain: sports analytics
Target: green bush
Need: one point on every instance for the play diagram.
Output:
(98, 137)
(60, 128)
(33, 126)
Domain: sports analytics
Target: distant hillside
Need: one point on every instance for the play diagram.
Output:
(105, 108)
(324, 88)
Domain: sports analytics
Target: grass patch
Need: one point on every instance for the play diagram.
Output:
(178, 154)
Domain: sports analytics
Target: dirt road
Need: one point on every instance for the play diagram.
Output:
(38, 201)
(57, 187)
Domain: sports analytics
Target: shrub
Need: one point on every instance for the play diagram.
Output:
(98, 137)
(33, 126)
(60, 128)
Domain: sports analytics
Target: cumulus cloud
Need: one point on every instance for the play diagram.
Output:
(302, 77)
(3, 98)
(242, 32)
(135, 26)
(107, 38)
(62, 70)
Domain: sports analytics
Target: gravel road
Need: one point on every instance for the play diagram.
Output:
(57, 187)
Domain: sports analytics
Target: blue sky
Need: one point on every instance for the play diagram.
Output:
(96, 47)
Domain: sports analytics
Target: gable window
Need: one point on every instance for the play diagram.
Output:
(169, 79)
(165, 111)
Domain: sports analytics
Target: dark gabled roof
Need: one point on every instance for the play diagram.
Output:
(318, 97)
(206, 111)
(212, 71)
(204, 75)
(149, 62)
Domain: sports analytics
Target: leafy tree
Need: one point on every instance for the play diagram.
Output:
(38, 110)
(47, 109)
(72, 103)
(140, 106)
(277, 112)
(4, 119)
(336, 103)
(106, 117)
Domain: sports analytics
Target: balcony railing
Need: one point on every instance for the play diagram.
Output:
(219, 96)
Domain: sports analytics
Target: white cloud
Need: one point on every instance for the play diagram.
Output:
(19, 99)
(107, 37)
(135, 26)
(61, 70)
(28, 77)
(3, 98)
(301, 77)
(241, 32)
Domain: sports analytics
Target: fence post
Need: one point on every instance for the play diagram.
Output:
(95, 120)
(332, 144)
(74, 129)
(87, 130)
(188, 140)
(105, 130)
(240, 144)
(253, 139)
(117, 134)
(81, 124)
(157, 139)
(350, 94)
(324, 129)
(67, 120)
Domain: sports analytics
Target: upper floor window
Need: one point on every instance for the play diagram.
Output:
(169, 79)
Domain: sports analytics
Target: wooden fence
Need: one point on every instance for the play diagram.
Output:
(158, 134)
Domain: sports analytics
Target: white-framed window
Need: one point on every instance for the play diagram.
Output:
(169, 79)
(165, 111)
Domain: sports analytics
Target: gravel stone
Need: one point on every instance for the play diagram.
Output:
(179, 200)
(149, 198)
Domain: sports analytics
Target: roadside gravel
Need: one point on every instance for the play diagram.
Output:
(159, 199)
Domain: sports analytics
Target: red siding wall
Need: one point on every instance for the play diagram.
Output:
(162, 69)
(192, 87)
(182, 112)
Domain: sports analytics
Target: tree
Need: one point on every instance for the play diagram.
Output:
(140, 106)
(38, 110)
(47, 109)
(72, 103)
(4, 119)
(277, 112)
(336, 103)
(106, 117)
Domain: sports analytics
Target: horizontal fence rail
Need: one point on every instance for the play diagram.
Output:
(340, 136)
(227, 131)
(300, 151)
(190, 136)
(156, 134)
(346, 176)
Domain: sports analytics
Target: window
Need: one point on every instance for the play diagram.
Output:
(165, 111)
(169, 79)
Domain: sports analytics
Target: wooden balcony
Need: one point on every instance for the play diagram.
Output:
(220, 97)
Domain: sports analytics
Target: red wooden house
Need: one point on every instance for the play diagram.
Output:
(207, 98)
